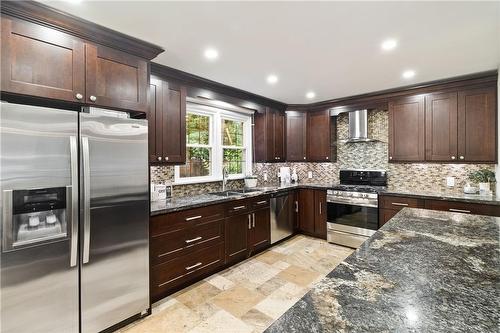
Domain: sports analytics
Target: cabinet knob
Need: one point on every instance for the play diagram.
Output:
(304, 157)
(390, 157)
(453, 157)
(461, 157)
(166, 158)
(93, 98)
(327, 157)
(79, 96)
(159, 158)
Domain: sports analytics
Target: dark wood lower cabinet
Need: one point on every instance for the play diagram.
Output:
(237, 230)
(312, 212)
(260, 233)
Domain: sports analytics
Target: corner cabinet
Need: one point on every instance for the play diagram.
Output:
(457, 126)
(312, 212)
(296, 136)
(318, 136)
(44, 62)
(269, 136)
(167, 122)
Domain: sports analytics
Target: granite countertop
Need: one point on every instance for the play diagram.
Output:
(182, 203)
(445, 195)
(423, 271)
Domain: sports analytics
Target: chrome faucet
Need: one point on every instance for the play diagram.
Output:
(225, 174)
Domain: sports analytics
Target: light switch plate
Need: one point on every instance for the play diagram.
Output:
(265, 176)
(450, 181)
(309, 174)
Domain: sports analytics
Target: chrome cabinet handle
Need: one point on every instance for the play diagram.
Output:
(453, 157)
(399, 204)
(193, 218)
(86, 199)
(461, 157)
(93, 98)
(249, 222)
(238, 207)
(159, 158)
(78, 96)
(296, 206)
(261, 202)
(459, 210)
(193, 240)
(193, 266)
(253, 220)
(320, 208)
(72, 198)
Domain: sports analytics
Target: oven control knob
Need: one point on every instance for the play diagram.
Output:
(364, 195)
(335, 193)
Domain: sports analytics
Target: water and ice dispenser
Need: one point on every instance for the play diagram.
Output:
(34, 217)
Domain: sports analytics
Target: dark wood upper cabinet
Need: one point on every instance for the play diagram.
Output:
(115, 78)
(296, 136)
(441, 136)
(41, 62)
(406, 129)
(318, 136)
(477, 125)
(167, 122)
(269, 131)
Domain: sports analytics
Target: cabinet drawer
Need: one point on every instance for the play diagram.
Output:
(463, 207)
(259, 202)
(169, 222)
(397, 203)
(237, 207)
(185, 268)
(178, 242)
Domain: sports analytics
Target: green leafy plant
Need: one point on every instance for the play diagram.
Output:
(482, 176)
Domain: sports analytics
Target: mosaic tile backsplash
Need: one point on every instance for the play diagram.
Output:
(366, 155)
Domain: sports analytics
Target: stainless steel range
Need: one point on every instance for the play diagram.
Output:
(352, 211)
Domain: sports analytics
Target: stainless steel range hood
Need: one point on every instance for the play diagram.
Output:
(358, 126)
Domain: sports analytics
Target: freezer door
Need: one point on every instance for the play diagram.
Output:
(39, 218)
(115, 218)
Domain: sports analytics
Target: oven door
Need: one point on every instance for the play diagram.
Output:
(350, 225)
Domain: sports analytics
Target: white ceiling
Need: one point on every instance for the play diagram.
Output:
(331, 48)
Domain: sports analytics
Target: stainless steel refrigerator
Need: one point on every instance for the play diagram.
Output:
(74, 219)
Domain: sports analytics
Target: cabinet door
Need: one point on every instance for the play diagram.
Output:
(154, 120)
(406, 129)
(385, 215)
(477, 125)
(306, 211)
(320, 213)
(263, 137)
(115, 79)
(296, 126)
(42, 62)
(174, 123)
(261, 232)
(318, 136)
(236, 237)
(441, 127)
(279, 135)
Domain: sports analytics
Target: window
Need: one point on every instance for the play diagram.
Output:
(215, 138)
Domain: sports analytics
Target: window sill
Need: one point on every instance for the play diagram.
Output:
(203, 180)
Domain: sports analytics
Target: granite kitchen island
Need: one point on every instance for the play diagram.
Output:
(423, 271)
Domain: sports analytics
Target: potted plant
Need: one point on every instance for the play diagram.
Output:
(250, 181)
(483, 177)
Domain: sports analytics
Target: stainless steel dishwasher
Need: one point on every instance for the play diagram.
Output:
(282, 215)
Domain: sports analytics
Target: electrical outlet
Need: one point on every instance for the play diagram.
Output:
(265, 176)
(309, 174)
(450, 181)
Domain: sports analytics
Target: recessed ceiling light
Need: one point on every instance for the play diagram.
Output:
(408, 74)
(310, 94)
(272, 79)
(211, 53)
(389, 44)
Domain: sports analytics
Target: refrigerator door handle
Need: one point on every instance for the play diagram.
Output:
(72, 192)
(86, 199)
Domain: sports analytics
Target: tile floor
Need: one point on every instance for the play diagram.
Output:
(247, 297)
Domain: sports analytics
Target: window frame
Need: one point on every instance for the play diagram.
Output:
(216, 143)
